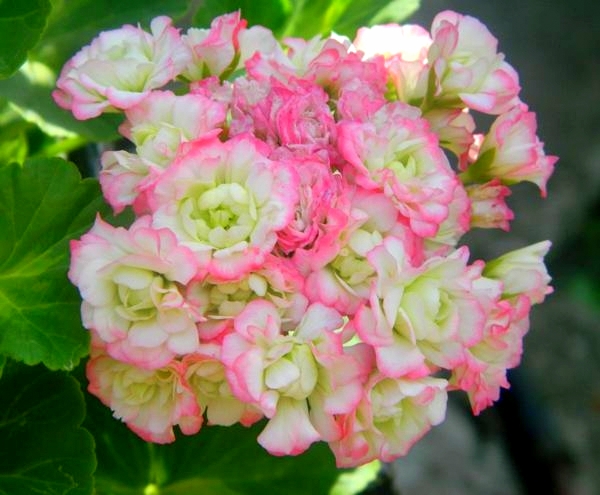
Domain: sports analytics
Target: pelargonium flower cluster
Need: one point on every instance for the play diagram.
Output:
(296, 249)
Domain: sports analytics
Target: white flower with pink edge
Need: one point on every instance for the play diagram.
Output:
(420, 317)
(392, 416)
(523, 271)
(205, 375)
(512, 152)
(131, 285)
(157, 127)
(150, 402)
(120, 68)
(404, 49)
(282, 373)
(468, 68)
(397, 153)
(483, 373)
(226, 202)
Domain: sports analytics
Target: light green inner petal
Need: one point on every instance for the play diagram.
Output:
(394, 414)
(138, 389)
(208, 380)
(429, 309)
(293, 375)
(351, 268)
(141, 303)
(220, 216)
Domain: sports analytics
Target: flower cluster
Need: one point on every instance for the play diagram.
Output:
(299, 206)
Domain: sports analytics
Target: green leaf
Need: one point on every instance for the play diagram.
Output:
(43, 205)
(216, 461)
(43, 449)
(74, 23)
(21, 25)
(356, 480)
(372, 12)
(13, 142)
(344, 16)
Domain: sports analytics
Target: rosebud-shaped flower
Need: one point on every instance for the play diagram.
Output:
(396, 152)
(339, 273)
(423, 316)
(150, 402)
(294, 116)
(225, 46)
(522, 271)
(282, 374)
(483, 373)
(512, 152)
(454, 128)
(488, 206)
(205, 375)
(226, 202)
(453, 227)
(277, 281)
(392, 416)
(161, 122)
(157, 127)
(469, 70)
(120, 67)
(321, 211)
(131, 283)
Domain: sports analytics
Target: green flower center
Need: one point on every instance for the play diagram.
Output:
(220, 216)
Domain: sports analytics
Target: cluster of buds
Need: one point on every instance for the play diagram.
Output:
(299, 205)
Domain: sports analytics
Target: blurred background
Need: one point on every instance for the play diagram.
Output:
(543, 437)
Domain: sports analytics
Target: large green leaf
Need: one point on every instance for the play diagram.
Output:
(74, 23)
(43, 205)
(43, 449)
(216, 461)
(21, 25)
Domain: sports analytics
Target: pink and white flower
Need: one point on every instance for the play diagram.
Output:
(422, 317)
(226, 202)
(225, 46)
(296, 250)
(219, 302)
(468, 68)
(338, 271)
(404, 49)
(150, 402)
(488, 205)
(294, 116)
(205, 375)
(398, 154)
(512, 152)
(157, 127)
(392, 416)
(283, 373)
(454, 128)
(131, 282)
(483, 372)
(119, 69)
(522, 271)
